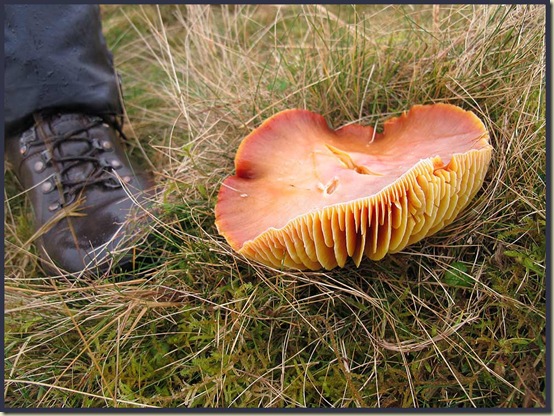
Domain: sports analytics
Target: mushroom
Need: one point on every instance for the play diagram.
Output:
(305, 196)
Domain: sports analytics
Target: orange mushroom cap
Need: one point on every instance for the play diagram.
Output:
(305, 196)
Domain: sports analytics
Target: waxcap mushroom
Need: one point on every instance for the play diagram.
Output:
(305, 196)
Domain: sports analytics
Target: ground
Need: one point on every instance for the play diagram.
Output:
(455, 320)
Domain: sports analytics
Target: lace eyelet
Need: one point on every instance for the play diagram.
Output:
(26, 140)
(116, 164)
(39, 166)
(54, 206)
(47, 187)
(46, 156)
(104, 145)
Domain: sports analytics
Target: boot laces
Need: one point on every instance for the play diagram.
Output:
(91, 167)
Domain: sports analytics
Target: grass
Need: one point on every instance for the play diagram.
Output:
(456, 320)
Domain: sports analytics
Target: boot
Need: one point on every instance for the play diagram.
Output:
(87, 197)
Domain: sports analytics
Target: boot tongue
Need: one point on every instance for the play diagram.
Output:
(76, 146)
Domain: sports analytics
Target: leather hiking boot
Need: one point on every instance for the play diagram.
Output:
(88, 200)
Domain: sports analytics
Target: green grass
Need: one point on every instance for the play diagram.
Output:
(456, 320)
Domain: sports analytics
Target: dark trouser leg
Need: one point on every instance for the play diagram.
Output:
(69, 158)
(56, 59)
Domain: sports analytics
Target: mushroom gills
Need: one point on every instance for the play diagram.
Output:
(344, 198)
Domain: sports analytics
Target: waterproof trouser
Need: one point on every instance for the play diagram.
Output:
(56, 59)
